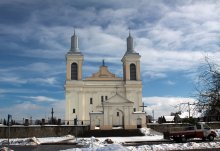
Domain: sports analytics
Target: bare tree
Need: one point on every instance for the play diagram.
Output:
(208, 89)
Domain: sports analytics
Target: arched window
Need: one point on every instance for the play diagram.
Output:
(133, 72)
(74, 71)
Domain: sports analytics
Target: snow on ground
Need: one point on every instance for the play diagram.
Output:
(175, 146)
(56, 139)
(21, 141)
(36, 141)
(150, 135)
(104, 144)
(161, 147)
(150, 132)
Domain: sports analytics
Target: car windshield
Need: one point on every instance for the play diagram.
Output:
(206, 127)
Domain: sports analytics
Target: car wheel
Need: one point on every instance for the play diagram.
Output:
(204, 139)
(183, 139)
(176, 139)
(211, 137)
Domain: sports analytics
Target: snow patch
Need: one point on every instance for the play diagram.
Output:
(149, 132)
(5, 149)
(176, 146)
(112, 147)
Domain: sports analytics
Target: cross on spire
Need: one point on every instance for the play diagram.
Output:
(74, 30)
(129, 28)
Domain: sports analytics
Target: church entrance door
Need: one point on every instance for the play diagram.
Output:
(139, 121)
(118, 118)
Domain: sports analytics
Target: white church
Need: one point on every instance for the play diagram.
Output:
(103, 100)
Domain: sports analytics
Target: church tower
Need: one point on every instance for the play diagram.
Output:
(131, 62)
(74, 61)
(131, 74)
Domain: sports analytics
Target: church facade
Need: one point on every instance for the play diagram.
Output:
(104, 100)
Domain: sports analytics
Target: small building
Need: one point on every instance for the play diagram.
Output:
(169, 119)
(117, 112)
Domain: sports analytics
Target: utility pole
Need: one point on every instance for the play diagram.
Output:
(188, 104)
(9, 119)
(189, 109)
(31, 120)
(153, 115)
(52, 115)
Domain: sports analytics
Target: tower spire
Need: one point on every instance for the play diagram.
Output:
(130, 43)
(74, 43)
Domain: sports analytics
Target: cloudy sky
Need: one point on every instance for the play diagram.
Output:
(172, 36)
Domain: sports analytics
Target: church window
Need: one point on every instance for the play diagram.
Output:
(74, 110)
(102, 98)
(134, 109)
(132, 72)
(91, 101)
(74, 71)
(117, 113)
(106, 97)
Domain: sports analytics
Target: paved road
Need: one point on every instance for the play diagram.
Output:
(63, 147)
(41, 147)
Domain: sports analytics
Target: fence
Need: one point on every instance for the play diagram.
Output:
(21, 131)
(27, 122)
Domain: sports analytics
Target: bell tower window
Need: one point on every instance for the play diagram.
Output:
(74, 71)
(133, 72)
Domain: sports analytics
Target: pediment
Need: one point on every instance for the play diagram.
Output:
(103, 74)
(117, 99)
